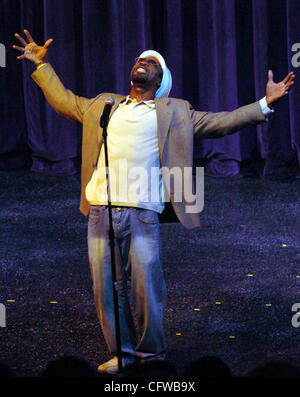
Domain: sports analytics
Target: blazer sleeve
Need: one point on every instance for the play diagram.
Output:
(62, 100)
(217, 125)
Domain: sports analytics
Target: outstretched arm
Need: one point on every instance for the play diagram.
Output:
(62, 100)
(217, 125)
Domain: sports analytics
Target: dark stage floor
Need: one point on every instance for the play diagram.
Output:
(231, 284)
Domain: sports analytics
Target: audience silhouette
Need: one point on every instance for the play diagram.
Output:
(208, 367)
(68, 366)
(5, 371)
(204, 367)
(276, 369)
(151, 368)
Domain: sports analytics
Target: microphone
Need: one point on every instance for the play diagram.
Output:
(109, 102)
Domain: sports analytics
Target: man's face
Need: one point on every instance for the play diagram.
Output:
(147, 71)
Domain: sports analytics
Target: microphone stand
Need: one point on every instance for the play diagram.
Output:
(103, 123)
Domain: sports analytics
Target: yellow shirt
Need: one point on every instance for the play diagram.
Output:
(133, 155)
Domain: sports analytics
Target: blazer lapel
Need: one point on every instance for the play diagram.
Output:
(164, 115)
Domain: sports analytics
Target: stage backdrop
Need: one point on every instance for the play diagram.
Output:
(219, 52)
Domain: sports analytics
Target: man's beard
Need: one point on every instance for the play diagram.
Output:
(140, 79)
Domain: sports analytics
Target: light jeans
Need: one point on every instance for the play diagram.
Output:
(141, 285)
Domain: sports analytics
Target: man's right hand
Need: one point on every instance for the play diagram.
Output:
(31, 50)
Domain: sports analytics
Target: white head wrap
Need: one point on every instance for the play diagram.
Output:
(166, 82)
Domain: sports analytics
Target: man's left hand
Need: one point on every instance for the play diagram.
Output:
(276, 91)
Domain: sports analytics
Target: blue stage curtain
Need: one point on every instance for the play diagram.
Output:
(219, 52)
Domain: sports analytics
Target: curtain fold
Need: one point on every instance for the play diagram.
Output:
(219, 53)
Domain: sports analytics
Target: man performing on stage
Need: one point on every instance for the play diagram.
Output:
(147, 130)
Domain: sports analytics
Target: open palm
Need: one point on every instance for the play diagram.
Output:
(31, 50)
(276, 91)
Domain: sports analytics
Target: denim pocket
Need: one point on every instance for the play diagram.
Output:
(146, 216)
(94, 216)
(93, 219)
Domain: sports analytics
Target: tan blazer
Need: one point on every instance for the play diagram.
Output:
(177, 125)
